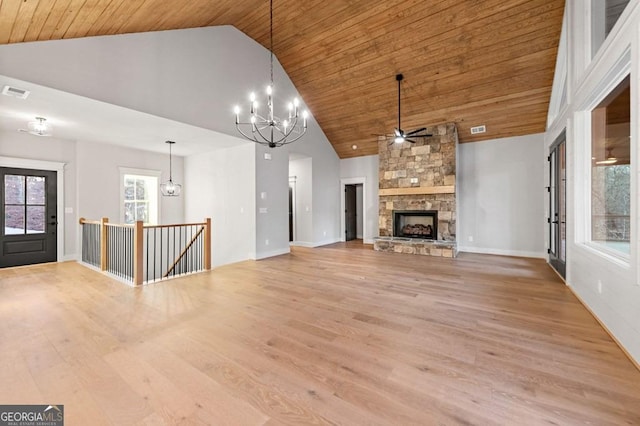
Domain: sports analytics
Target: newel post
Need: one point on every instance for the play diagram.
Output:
(207, 245)
(138, 253)
(103, 243)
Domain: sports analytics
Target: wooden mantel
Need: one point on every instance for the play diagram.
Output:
(418, 190)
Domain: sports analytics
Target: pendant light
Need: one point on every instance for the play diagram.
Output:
(169, 188)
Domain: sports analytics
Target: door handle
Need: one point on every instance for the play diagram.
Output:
(555, 221)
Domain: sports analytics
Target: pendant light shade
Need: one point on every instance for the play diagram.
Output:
(170, 188)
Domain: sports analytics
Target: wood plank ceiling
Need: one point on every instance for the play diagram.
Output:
(471, 62)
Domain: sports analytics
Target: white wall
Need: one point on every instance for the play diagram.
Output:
(98, 184)
(501, 196)
(609, 286)
(26, 146)
(365, 167)
(302, 169)
(193, 76)
(92, 177)
(221, 185)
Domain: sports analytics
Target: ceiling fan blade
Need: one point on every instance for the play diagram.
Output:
(409, 140)
(413, 132)
(426, 135)
(398, 132)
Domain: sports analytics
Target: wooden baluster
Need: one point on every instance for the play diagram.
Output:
(103, 243)
(138, 250)
(207, 245)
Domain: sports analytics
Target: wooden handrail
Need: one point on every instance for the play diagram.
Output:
(184, 252)
(174, 225)
(82, 221)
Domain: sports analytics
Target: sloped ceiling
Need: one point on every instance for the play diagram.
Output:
(472, 62)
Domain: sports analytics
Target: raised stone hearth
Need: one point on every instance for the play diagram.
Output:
(416, 246)
(419, 177)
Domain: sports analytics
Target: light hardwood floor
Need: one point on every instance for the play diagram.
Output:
(332, 335)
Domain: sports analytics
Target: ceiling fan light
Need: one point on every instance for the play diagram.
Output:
(608, 161)
(398, 139)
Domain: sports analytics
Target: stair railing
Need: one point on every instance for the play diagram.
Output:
(142, 254)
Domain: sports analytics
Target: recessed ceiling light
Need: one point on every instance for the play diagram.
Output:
(354, 146)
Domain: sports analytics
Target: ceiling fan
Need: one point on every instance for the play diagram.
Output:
(399, 135)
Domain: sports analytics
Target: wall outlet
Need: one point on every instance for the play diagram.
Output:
(266, 242)
(241, 210)
(414, 180)
(470, 238)
(599, 287)
(267, 156)
(263, 195)
(263, 210)
(324, 233)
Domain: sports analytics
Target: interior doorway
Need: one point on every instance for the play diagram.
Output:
(557, 205)
(28, 216)
(353, 212)
(292, 209)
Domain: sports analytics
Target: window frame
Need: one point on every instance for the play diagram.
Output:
(155, 199)
(614, 75)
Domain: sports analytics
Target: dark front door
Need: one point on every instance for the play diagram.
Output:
(350, 218)
(557, 206)
(28, 223)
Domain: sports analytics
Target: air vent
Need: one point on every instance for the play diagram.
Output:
(15, 92)
(478, 129)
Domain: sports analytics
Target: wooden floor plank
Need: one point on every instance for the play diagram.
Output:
(334, 335)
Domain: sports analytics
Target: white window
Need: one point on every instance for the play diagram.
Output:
(611, 170)
(604, 15)
(139, 196)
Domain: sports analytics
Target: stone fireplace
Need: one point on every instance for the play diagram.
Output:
(417, 190)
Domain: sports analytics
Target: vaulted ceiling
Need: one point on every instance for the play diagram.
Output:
(472, 62)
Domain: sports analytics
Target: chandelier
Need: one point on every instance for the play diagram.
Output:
(169, 188)
(271, 130)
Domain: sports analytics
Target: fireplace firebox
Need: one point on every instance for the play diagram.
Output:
(416, 224)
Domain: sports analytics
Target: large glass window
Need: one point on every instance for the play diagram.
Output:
(604, 15)
(140, 198)
(611, 170)
(24, 204)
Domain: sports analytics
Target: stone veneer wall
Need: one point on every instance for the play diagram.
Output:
(431, 162)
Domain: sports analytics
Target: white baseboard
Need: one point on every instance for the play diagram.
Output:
(70, 257)
(369, 241)
(501, 252)
(302, 244)
(273, 253)
(326, 242)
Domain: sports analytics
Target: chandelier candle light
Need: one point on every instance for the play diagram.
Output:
(271, 130)
(169, 188)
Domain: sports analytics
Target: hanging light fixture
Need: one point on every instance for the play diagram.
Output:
(40, 127)
(169, 188)
(271, 130)
(609, 160)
